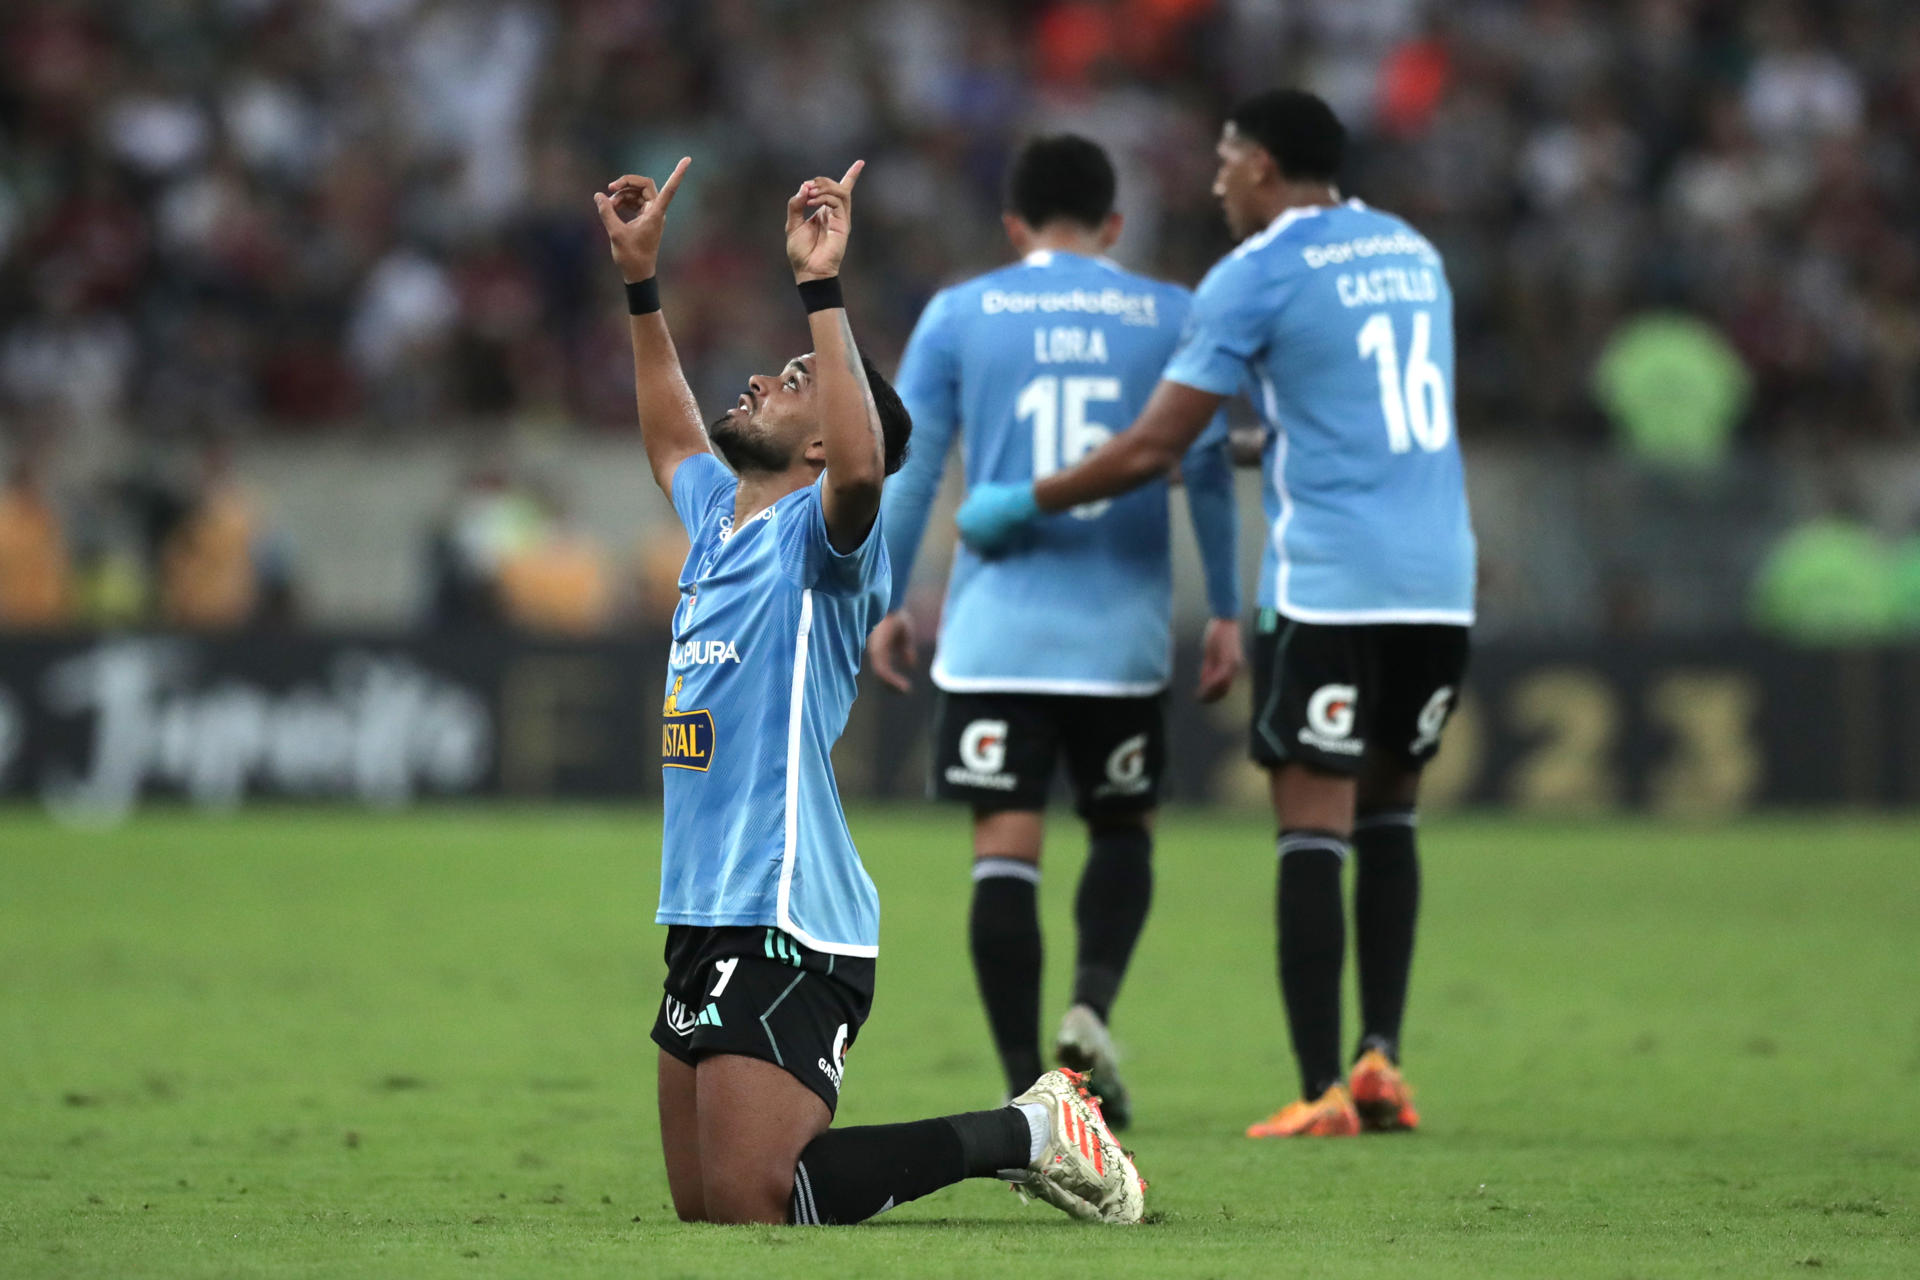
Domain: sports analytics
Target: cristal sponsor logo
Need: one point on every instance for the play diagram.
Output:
(834, 1067)
(704, 653)
(1405, 242)
(1131, 308)
(679, 1018)
(1330, 717)
(686, 737)
(983, 754)
(1127, 769)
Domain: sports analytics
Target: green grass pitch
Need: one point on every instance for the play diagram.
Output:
(315, 1043)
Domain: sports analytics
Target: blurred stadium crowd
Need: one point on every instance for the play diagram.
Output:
(294, 213)
(1663, 218)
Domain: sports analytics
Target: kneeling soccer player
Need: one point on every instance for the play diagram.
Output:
(773, 923)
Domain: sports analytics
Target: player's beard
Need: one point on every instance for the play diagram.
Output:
(743, 447)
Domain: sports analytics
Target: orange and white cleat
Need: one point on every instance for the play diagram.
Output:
(1381, 1095)
(1080, 1170)
(1331, 1115)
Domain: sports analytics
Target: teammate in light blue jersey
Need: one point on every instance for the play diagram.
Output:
(1061, 652)
(773, 924)
(1338, 321)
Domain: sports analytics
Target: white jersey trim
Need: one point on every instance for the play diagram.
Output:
(783, 912)
(946, 680)
(1355, 617)
(1286, 218)
(1279, 478)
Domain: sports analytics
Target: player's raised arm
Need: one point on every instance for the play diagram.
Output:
(1173, 419)
(819, 218)
(993, 515)
(634, 212)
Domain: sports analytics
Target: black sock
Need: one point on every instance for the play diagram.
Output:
(1386, 904)
(1313, 943)
(849, 1175)
(1004, 931)
(1110, 909)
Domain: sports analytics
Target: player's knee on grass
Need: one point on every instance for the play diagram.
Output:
(747, 1189)
(680, 1136)
(755, 1119)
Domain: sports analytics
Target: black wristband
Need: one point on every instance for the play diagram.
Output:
(821, 295)
(643, 297)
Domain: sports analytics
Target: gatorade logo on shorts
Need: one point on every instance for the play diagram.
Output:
(983, 754)
(1127, 769)
(1330, 720)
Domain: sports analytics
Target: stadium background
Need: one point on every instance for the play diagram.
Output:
(304, 328)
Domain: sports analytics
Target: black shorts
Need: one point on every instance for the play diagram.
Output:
(1328, 695)
(996, 751)
(756, 992)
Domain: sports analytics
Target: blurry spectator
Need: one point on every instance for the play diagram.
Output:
(406, 312)
(490, 521)
(1904, 573)
(378, 206)
(35, 588)
(1675, 390)
(1827, 581)
(558, 583)
(209, 578)
(1797, 90)
(109, 569)
(658, 557)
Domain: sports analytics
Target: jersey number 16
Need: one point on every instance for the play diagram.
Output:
(1062, 432)
(1422, 413)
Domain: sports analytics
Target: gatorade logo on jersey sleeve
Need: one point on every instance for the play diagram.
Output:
(686, 737)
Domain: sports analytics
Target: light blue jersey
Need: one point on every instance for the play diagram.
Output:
(1037, 364)
(767, 640)
(1339, 322)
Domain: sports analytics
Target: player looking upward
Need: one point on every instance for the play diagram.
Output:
(1340, 318)
(773, 924)
(1062, 652)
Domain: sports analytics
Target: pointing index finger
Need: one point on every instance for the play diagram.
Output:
(852, 174)
(673, 181)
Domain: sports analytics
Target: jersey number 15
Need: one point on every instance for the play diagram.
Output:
(1062, 432)
(1417, 408)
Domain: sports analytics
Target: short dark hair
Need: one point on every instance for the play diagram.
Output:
(1061, 175)
(1298, 129)
(896, 424)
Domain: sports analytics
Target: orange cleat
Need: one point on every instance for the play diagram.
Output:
(1381, 1095)
(1331, 1115)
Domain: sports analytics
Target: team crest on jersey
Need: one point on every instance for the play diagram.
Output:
(686, 737)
